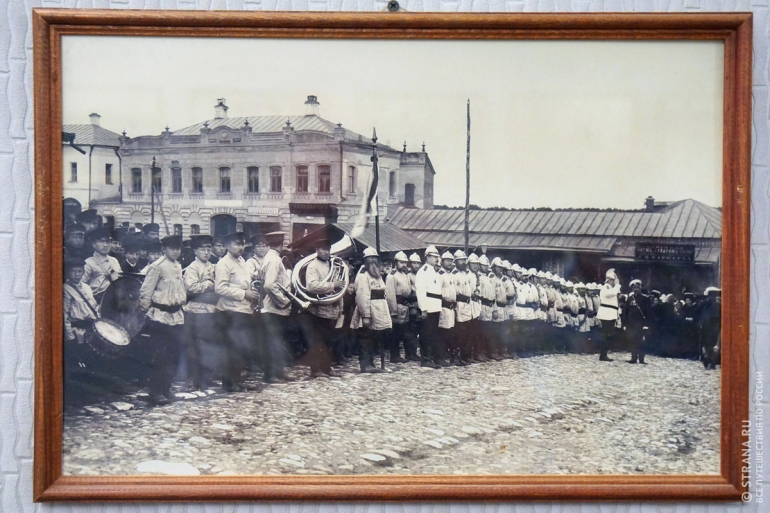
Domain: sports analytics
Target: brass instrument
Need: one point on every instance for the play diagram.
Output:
(302, 303)
(257, 286)
(338, 271)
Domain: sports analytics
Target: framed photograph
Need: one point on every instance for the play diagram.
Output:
(391, 256)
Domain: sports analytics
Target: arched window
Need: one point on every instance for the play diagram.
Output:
(176, 179)
(275, 179)
(157, 179)
(197, 180)
(252, 174)
(324, 179)
(136, 180)
(352, 179)
(224, 179)
(195, 229)
(302, 179)
(392, 184)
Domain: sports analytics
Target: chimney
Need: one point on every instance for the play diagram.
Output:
(649, 204)
(95, 118)
(220, 109)
(312, 106)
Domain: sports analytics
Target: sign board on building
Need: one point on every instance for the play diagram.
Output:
(264, 211)
(682, 253)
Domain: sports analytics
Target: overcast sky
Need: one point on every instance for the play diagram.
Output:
(558, 124)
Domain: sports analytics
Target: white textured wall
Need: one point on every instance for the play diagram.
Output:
(16, 240)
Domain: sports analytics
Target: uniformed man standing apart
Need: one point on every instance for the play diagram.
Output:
(428, 288)
(371, 318)
(636, 314)
(101, 269)
(200, 315)
(465, 285)
(232, 282)
(608, 312)
(162, 296)
(276, 308)
(319, 320)
(398, 291)
(445, 343)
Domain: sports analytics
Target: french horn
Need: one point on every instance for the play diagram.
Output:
(338, 271)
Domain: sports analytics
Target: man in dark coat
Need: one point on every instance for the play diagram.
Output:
(710, 326)
(636, 317)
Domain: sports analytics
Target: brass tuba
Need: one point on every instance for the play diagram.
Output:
(338, 271)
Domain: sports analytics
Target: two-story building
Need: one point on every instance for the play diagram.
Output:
(261, 174)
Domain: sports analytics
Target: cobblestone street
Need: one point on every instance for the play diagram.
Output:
(554, 414)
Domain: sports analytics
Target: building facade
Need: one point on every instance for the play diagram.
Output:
(260, 174)
(90, 165)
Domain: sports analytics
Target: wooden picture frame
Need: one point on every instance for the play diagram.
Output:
(734, 29)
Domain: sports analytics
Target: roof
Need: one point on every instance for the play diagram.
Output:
(275, 124)
(392, 238)
(93, 135)
(519, 241)
(685, 219)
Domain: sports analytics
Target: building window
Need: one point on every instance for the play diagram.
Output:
(224, 179)
(352, 179)
(197, 180)
(324, 179)
(73, 171)
(178, 230)
(136, 180)
(195, 229)
(108, 174)
(157, 180)
(302, 179)
(253, 176)
(409, 194)
(176, 179)
(392, 184)
(275, 179)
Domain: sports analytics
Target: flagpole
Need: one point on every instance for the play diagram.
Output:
(468, 178)
(375, 176)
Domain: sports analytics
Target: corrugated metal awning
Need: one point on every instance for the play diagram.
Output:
(516, 241)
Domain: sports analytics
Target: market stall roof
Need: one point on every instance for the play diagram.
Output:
(685, 219)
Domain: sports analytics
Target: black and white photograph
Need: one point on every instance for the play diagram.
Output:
(360, 257)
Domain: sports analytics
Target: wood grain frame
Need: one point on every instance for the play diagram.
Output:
(50, 25)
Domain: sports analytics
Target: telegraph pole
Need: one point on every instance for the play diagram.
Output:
(468, 179)
(376, 176)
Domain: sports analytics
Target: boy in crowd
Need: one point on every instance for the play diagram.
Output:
(130, 263)
(154, 252)
(162, 296)
(101, 269)
(199, 314)
(74, 242)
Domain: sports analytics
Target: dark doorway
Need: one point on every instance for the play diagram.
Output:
(252, 229)
(409, 195)
(222, 224)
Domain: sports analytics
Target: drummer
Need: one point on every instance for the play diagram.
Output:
(80, 308)
(162, 296)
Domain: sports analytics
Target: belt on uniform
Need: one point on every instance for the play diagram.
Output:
(462, 298)
(377, 294)
(581, 311)
(573, 315)
(166, 308)
(487, 302)
(591, 314)
(510, 298)
(448, 304)
(433, 295)
(402, 300)
(502, 304)
(609, 306)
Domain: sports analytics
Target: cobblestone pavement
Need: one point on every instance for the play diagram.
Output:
(554, 414)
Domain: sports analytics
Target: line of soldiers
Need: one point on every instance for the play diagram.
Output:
(237, 316)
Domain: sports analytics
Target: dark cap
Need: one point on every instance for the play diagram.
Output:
(151, 227)
(234, 237)
(132, 245)
(99, 234)
(88, 216)
(73, 261)
(171, 241)
(323, 241)
(258, 239)
(74, 228)
(201, 240)
(275, 238)
(218, 239)
(153, 247)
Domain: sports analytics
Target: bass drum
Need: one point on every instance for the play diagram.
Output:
(120, 303)
(107, 338)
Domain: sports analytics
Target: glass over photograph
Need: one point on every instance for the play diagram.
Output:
(336, 257)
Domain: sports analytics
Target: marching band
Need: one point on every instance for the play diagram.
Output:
(228, 317)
